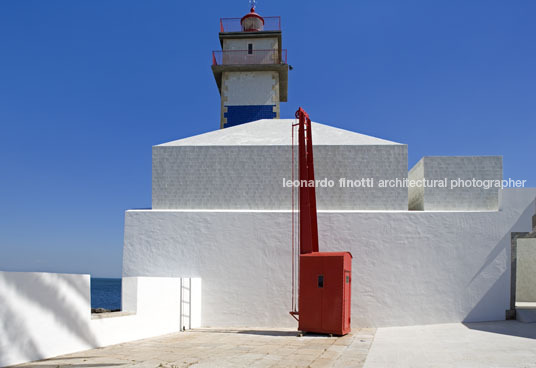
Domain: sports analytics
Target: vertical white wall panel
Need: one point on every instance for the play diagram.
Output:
(526, 270)
(250, 88)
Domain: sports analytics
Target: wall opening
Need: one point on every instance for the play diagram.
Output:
(523, 278)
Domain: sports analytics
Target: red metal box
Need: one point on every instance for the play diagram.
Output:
(325, 290)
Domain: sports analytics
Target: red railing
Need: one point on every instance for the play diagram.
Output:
(233, 24)
(243, 57)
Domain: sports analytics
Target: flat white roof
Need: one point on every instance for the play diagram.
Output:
(276, 132)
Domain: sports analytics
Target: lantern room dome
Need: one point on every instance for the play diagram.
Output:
(252, 22)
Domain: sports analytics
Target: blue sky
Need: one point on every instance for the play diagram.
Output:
(87, 87)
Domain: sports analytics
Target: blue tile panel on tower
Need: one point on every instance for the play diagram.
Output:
(237, 115)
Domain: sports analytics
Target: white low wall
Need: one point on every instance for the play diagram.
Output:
(45, 314)
(409, 267)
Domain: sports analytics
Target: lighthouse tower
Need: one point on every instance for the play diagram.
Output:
(251, 70)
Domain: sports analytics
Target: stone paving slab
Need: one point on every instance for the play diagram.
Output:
(500, 344)
(215, 348)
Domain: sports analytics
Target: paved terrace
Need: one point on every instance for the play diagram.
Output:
(226, 348)
(507, 344)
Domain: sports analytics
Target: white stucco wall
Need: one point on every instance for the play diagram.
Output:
(250, 88)
(268, 43)
(409, 267)
(44, 314)
(242, 169)
(458, 198)
(526, 270)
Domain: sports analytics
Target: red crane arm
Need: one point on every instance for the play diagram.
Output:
(324, 293)
(307, 194)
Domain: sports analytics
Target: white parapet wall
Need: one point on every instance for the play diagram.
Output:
(46, 314)
(409, 267)
(466, 178)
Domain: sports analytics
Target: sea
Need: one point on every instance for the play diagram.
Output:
(106, 293)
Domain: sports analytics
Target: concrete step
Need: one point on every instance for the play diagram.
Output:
(527, 315)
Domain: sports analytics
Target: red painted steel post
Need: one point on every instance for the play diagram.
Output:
(308, 220)
(305, 229)
(312, 191)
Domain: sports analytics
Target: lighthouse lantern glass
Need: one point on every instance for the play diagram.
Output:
(252, 24)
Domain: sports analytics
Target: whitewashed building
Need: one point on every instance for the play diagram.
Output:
(215, 248)
(222, 214)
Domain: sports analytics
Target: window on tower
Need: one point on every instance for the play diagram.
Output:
(250, 48)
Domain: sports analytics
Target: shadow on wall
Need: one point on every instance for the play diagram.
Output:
(53, 295)
(14, 333)
(486, 308)
(500, 247)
